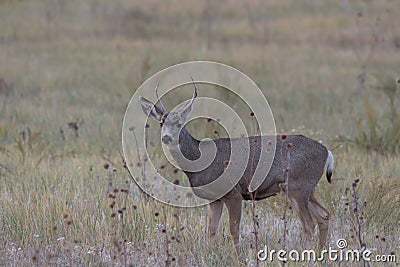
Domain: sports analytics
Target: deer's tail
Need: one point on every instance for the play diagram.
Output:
(329, 166)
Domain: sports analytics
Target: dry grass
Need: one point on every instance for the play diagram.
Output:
(71, 67)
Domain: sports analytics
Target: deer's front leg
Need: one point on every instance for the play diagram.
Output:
(234, 206)
(215, 215)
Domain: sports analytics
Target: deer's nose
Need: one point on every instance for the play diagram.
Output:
(166, 139)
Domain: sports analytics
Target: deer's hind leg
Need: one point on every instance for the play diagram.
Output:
(321, 215)
(301, 206)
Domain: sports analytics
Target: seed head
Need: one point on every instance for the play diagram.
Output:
(121, 210)
(126, 191)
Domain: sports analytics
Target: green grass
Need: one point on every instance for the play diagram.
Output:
(81, 61)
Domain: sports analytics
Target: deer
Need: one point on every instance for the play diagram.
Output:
(308, 160)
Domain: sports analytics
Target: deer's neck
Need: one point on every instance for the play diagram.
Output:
(188, 147)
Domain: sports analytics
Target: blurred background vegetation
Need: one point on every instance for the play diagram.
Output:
(329, 69)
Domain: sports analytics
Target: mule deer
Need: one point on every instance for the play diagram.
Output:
(308, 160)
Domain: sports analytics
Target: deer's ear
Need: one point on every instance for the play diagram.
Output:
(152, 111)
(185, 109)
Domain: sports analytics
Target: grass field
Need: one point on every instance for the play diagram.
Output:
(69, 68)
